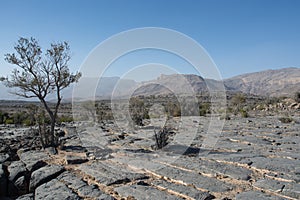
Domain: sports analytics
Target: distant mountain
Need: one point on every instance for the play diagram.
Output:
(176, 83)
(280, 82)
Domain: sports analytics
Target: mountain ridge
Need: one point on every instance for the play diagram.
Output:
(272, 82)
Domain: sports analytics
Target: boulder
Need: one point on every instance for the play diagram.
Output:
(3, 157)
(55, 189)
(71, 180)
(89, 191)
(44, 175)
(16, 169)
(33, 159)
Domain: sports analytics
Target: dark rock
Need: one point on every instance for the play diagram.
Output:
(3, 157)
(16, 169)
(71, 180)
(99, 153)
(33, 159)
(70, 159)
(51, 150)
(55, 189)
(213, 167)
(185, 190)
(250, 195)
(29, 196)
(89, 191)
(182, 150)
(138, 150)
(3, 182)
(142, 193)
(105, 197)
(75, 149)
(18, 187)
(286, 188)
(44, 175)
(110, 174)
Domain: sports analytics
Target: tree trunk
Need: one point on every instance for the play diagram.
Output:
(52, 124)
(52, 134)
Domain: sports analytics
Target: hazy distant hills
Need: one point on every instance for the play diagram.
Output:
(281, 82)
(175, 83)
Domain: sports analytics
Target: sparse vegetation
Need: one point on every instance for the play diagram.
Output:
(173, 109)
(65, 118)
(286, 119)
(244, 113)
(138, 111)
(161, 137)
(204, 108)
(37, 76)
(3, 117)
(237, 102)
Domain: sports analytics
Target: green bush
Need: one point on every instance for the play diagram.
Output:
(20, 117)
(28, 122)
(204, 109)
(244, 113)
(9, 121)
(65, 118)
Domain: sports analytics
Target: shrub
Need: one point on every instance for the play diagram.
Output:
(237, 102)
(138, 111)
(173, 109)
(244, 113)
(20, 117)
(9, 121)
(286, 119)
(204, 109)
(65, 118)
(28, 122)
(3, 117)
(161, 138)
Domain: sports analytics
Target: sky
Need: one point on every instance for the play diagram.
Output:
(240, 36)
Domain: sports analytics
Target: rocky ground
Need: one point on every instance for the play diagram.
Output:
(253, 158)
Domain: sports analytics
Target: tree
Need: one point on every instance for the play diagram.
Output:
(237, 102)
(138, 110)
(38, 75)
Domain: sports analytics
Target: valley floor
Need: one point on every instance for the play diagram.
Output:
(253, 158)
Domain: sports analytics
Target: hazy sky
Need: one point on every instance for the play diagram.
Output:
(240, 35)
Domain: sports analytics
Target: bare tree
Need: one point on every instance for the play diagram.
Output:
(38, 75)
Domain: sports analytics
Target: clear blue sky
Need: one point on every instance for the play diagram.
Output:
(240, 35)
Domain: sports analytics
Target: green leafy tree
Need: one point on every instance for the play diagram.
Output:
(37, 75)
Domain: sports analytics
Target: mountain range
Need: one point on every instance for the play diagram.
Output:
(279, 82)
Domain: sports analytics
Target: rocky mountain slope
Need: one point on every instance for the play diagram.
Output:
(281, 82)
